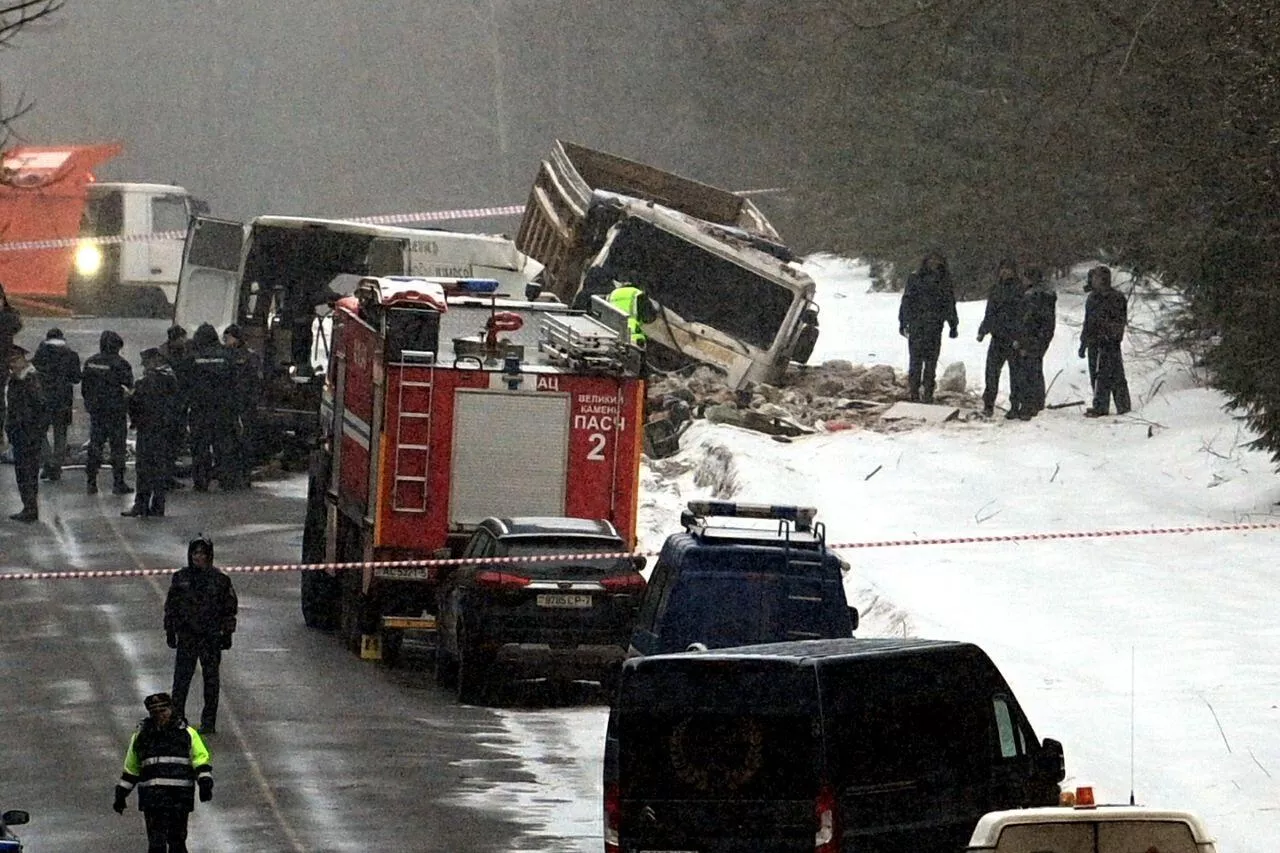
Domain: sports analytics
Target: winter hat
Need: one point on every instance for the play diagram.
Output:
(156, 701)
(234, 331)
(200, 543)
(205, 336)
(110, 342)
(175, 333)
(151, 353)
(54, 334)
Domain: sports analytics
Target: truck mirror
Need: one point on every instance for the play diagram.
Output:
(638, 562)
(532, 291)
(1049, 761)
(853, 617)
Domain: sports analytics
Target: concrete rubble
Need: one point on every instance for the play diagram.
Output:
(832, 397)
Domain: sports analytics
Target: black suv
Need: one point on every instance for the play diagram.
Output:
(551, 616)
(720, 584)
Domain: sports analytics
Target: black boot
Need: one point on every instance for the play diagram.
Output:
(91, 485)
(119, 486)
(135, 511)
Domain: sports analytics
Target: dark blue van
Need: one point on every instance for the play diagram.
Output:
(9, 842)
(720, 584)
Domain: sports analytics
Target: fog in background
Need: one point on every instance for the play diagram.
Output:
(347, 108)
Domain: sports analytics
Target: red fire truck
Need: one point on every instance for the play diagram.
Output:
(446, 404)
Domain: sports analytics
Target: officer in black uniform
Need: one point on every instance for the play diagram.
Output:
(106, 385)
(246, 365)
(152, 413)
(215, 442)
(27, 419)
(59, 368)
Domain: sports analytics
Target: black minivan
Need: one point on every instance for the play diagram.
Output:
(875, 746)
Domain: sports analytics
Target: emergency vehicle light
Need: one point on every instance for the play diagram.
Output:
(465, 286)
(1084, 798)
(802, 515)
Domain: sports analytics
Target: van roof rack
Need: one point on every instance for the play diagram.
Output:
(800, 516)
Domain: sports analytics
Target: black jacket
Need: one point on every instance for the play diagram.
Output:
(59, 367)
(28, 416)
(209, 374)
(201, 603)
(1106, 313)
(107, 379)
(152, 412)
(1003, 317)
(928, 301)
(1039, 319)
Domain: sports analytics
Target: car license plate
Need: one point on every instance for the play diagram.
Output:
(563, 599)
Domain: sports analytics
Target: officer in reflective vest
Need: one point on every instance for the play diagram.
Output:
(166, 761)
(626, 297)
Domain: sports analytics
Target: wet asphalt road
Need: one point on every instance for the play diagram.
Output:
(315, 751)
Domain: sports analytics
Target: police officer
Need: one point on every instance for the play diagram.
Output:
(151, 412)
(166, 761)
(27, 419)
(59, 368)
(928, 303)
(199, 619)
(246, 365)
(215, 442)
(106, 385)
(175, 349)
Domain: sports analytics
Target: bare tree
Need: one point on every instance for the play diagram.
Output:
(14, 17)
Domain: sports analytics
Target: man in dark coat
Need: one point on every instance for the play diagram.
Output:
(199, 619)
(246, 367)
(1002, 320)
(10, 325)
(28, 417)
(151, 412)
(59, 368)
(175, 350)
(928, 302)
(1039, 321)
(166, 761)
(106, 384)
(210, 394)
(1106, 313)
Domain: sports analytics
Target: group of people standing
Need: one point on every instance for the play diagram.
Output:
(199, 393)
(1020, 317)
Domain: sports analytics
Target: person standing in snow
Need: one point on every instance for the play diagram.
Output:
(1002, 320)
(1039, 319)
(1106, 313)
(928, 303)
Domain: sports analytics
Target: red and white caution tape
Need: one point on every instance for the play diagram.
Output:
(844, 546)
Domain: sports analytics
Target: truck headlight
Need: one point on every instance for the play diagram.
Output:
(88, 259)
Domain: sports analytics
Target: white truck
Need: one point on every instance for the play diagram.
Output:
(130, 251)
(1091, 829)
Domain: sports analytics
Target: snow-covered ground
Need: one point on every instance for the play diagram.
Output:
(1155, 659)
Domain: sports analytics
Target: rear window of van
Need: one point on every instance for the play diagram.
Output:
(1101, 837)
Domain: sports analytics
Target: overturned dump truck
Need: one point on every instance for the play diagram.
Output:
(726, 290)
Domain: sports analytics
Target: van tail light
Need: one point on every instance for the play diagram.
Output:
(500, 580)
(826, 837)
(623, 584)
(612, 818)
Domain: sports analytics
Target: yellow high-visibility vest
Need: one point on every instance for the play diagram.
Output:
(627, 299)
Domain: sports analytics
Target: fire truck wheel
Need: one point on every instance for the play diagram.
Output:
(392, 643)
(318, 597)
(446, 667)
(473, 672)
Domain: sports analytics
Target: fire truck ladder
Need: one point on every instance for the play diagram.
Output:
(408, 453)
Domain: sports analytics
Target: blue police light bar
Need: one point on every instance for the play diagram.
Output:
(475, 285)
(802, 516)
